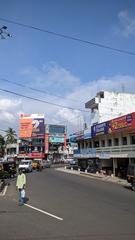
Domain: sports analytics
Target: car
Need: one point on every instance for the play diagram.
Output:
(93, 169)
(47, 163)
(25, 165)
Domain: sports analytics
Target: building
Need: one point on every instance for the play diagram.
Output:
(110, 140)
(108, 105)
(55, 142)
(40, 140)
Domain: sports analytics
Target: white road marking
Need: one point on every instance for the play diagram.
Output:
(4, 191)
(47, 213)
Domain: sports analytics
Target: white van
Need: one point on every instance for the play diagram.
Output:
(26, 165)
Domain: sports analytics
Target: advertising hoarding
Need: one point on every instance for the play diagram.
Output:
(31, 125)
(25, 128)
(124, 122)
(56, 139)
(99, 129)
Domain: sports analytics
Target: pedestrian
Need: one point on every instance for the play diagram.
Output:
(20, 185)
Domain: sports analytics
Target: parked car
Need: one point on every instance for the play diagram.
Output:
(26, 165)
(92, 168)
(47, 163)
(131, 175)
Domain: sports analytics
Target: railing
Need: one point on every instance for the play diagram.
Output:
(106, 152)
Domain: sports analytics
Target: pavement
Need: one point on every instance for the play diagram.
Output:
(97, 176)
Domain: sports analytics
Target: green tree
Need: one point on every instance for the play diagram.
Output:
(10, 136)
(2, 146)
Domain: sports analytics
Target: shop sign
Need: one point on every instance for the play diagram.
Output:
(56, 139)
(126, 121)
(99, 129)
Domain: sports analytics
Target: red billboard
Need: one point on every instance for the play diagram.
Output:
(25, 128)
(124, 122)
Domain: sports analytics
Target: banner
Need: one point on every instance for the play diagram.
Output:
(38, 127)
(126, 122)
(98, 129)
(56, 139)
(25, 128)
(31, 125)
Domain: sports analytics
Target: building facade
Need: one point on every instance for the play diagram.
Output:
(40, 140)
(110, 140)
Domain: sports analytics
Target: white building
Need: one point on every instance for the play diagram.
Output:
(108, 105)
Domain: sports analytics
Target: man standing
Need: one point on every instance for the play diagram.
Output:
(20, 184)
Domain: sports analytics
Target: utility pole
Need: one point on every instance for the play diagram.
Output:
(4, 33)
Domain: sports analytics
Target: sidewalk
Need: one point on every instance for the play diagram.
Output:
(98, 176)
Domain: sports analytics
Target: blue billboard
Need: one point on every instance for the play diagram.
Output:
(99, 129)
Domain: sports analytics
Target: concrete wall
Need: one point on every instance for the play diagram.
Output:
(113, 105)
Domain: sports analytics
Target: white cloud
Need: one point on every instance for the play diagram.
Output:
(9, 112)
(126, 25)
(81, 93)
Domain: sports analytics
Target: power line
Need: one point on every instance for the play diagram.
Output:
(69, 37)
(43, 101)
(34, 89)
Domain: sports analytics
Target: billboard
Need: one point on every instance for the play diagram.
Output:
(31, 125)
(124, 122)
(56, 139)
(25, 128)
(115, 125)
(99, 129)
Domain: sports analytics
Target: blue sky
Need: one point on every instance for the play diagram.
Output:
(60, 66)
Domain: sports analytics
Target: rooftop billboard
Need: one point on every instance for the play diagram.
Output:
(31, 125)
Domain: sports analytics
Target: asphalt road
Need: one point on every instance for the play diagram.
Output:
(88, 209)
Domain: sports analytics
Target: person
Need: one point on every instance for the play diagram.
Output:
(20, 185)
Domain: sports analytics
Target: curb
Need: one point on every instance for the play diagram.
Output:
(88, 175)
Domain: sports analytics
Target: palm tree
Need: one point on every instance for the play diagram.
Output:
(10, 136)
(2, 146)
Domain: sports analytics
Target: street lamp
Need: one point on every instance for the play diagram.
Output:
(4, 33)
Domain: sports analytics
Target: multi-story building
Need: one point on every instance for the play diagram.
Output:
(110, 140)
(55, 141)
(108, 105)
(40, 140)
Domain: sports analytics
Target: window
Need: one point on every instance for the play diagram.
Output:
(124, 141)
(103, 143)
(96, 144)
(116, 142)
(109, 142)
(133, 139)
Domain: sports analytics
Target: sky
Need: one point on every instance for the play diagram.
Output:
(69, 72)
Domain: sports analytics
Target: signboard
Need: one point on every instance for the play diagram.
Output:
(31, 125)
(25, 128)
(56, 139)
(99, 129)
(38, 127)
(124, 122)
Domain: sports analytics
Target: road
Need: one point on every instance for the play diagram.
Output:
(86, 209)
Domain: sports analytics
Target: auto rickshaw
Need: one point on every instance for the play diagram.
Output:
(131, 175)
(10, 168)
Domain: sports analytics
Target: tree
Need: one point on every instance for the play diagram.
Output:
(2, 146)
(11, 136)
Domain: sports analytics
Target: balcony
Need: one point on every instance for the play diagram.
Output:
(126, 151)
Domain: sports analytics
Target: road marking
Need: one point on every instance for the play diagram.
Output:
(47, 213)
(4, 191)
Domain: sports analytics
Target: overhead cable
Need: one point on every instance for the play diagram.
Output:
(43, 101)
(35, 89)
(69, 37)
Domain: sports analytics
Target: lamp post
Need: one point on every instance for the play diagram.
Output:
(4, 33)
